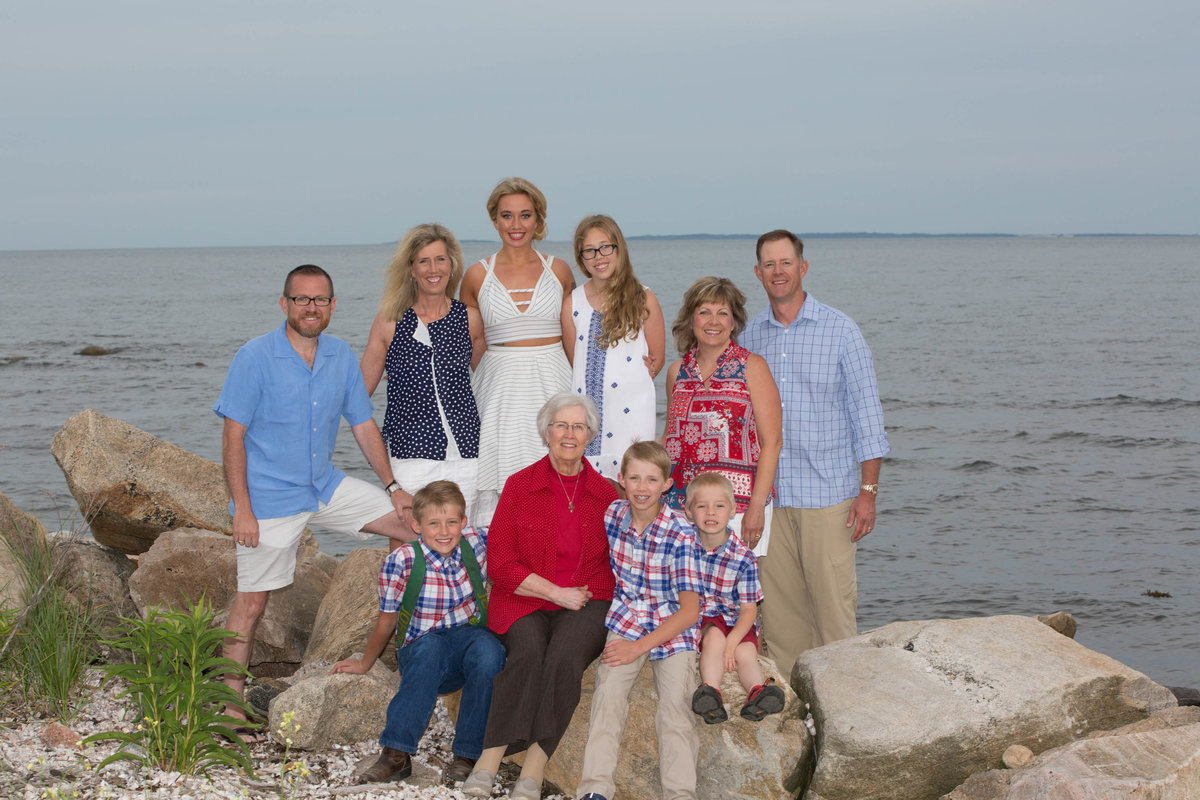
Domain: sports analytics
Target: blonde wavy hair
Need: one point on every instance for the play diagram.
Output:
(624, 310)
(520, 186)
(399, 287)
(707, 290)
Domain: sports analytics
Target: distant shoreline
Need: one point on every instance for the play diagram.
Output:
(659, 237)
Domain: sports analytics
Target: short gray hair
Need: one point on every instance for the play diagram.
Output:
(565, 400)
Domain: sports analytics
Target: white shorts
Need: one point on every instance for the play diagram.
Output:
(414, 474)
(272, 565)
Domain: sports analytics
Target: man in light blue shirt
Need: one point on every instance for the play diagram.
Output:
(284, 398)
(833, 444)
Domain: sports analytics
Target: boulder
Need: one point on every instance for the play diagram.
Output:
(910, 710)
(1060, 621)
(20, 534)
(329, 710)
(97, 576)
(738, 758)
(131, 486)
(349, 609)
(1155, 759)
(184, 565)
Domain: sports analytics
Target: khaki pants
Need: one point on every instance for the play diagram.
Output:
(678, 744)
(810, 589)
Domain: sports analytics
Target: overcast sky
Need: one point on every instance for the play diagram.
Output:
(157, 123)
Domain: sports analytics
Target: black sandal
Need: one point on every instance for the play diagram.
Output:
(707, 702)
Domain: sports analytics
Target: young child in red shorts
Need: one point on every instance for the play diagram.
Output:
(728, 609)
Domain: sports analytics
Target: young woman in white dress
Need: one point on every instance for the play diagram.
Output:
(615, 338)
(519, 294)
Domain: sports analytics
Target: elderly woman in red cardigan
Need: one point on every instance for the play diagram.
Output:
(551, 587)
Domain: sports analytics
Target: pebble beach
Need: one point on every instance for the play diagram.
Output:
(43, 758)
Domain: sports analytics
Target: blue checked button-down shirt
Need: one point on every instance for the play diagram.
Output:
(832, 418)
(730, 576)
(651, 570)
(446, 599)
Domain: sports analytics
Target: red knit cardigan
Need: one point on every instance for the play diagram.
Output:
(523, 539)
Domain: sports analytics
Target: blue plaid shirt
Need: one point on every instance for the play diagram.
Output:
(652, 568)
(446, 599)
(730, 575)
(832, 418)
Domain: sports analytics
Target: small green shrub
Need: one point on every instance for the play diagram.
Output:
(174, 677)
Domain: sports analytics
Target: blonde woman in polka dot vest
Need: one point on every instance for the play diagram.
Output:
(428, 343)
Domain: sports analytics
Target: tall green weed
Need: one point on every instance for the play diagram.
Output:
(174, 679)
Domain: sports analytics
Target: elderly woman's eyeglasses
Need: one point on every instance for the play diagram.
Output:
(588, 253)
(577, 428)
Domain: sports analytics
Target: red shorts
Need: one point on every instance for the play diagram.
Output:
(724, 627)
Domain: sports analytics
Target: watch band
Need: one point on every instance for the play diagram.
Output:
(870, 488)
(392, 487)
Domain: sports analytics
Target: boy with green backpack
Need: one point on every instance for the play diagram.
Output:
(433, 594)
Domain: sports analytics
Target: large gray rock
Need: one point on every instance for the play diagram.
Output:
(97, 577)
(912, 709)
(131, 486)
(738, 759)
(330, 710)
(349, 609)
(184, 565)
(1156, 759)
(21, 534)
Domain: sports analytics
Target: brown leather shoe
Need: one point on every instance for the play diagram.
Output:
(458, 770)
(392, 765)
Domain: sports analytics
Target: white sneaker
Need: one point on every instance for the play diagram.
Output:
(479, 783)
(526, 789)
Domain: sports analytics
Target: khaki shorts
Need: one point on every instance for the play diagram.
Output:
(272, 565)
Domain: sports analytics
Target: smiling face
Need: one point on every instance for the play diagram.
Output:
(431, 269)
(781, 270)
(644, 483)
(598, 267)
(566, 437)
(309, 320)
(712, 324)
(440, 528)
(516, 220)
(710, 509)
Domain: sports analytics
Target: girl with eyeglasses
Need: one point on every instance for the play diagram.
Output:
(615, 338)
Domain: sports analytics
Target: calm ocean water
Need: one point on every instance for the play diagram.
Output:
(1042, 397)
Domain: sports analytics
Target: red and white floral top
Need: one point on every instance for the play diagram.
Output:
(710, 427)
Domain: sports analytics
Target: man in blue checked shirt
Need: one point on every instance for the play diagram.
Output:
(833, 444)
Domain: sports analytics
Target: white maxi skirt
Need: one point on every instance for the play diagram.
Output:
(511, 385)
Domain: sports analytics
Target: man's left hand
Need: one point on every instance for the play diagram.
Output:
(402, 502)
(862, 516)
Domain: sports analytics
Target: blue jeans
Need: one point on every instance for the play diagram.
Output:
(466, 657)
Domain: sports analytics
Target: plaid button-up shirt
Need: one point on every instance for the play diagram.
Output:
(832, 417)
(446, 599)
(651, 570)
(730, 578)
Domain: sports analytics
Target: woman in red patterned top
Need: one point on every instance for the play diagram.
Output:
(723, 411)
(552, 584)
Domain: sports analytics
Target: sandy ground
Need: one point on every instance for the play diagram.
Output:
(42, 759)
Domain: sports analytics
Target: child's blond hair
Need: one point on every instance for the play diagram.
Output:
(710, 480)
(652, 452)
(435, 495)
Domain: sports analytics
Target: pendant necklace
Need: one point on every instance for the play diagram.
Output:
(570, 497)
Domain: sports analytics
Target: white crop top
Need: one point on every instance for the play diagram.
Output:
(504, 320)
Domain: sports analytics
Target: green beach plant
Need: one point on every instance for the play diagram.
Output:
(174, 679)
(47, 644)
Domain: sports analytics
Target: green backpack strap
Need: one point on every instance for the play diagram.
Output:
(473, 572)
(416, 579)
(412, 590)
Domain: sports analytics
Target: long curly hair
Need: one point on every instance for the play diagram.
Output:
(624, 310)
(707, 290)
(399, 287)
